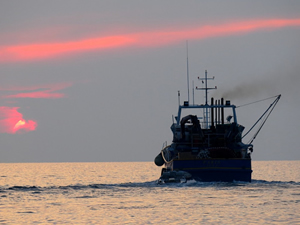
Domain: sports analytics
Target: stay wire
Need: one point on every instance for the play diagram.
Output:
(257, 101)
(264, 121)
(273, 104)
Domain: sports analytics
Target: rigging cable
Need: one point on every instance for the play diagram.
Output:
(272, 106)
(257, 101)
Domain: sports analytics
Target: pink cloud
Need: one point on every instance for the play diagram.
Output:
(40, 91)
(50, 50)
(153, 38)
(11, 121)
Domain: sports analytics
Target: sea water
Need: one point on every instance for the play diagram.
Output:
(127, 193)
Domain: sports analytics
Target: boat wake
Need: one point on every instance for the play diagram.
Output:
(153, 184)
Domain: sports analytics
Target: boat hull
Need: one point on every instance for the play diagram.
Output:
(209, 170)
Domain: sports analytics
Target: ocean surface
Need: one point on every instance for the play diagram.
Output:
(127, 193)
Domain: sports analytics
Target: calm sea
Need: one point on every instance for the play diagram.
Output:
(127, 193)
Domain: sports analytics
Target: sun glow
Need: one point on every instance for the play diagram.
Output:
(19, 124)
(11, 121)
(42, 50)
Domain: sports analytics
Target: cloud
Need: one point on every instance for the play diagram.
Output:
(11, 121)
(39, 91)
(153, 38)
(49, 50)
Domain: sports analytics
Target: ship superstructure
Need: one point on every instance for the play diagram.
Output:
(207, 143)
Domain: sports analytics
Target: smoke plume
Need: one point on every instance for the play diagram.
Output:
(270, 85)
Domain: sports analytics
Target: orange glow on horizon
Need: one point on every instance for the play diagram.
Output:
(145, 39)
(11, 121)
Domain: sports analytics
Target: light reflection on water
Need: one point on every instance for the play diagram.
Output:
(127, 193)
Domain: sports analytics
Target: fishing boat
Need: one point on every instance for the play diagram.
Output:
(206, 146)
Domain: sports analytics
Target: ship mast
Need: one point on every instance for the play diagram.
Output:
(187, 70)
(206, 95)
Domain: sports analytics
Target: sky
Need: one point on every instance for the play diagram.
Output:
(97, 81)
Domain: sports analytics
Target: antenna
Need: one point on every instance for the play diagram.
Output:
(187, 70)
(206, 89)
(193, 93)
